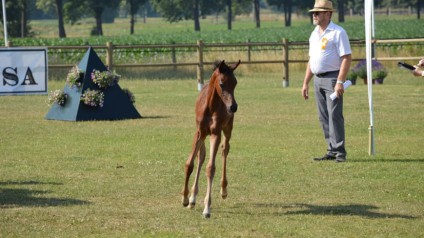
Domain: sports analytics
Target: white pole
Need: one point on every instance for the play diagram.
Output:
(4, 22)
(369, 8)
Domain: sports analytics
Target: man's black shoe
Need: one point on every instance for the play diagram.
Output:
(340, 159)
(325, 157)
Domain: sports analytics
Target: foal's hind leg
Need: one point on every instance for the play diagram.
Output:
(195, 189)
(189, 165)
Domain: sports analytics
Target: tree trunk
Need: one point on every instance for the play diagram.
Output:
(98, 16)
(132, 23)
(256, 8)
(196, 15)
(341, 11)
(23, 20)
(418, 9)
(59, 5)
(287, 13)
(230, 14)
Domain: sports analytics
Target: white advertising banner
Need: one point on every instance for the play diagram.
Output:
(23, 71)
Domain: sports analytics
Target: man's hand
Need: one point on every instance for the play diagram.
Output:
(305, 91)
(417, 72)
(339, 89)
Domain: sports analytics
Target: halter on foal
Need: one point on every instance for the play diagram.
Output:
(215, 108)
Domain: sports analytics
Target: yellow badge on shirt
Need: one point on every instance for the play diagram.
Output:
(324, 43)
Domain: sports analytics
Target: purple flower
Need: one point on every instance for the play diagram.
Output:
(361, 68)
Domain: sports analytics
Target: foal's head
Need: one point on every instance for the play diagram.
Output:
(225, 82)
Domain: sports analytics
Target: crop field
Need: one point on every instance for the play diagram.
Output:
(124, 178)
(156, 31)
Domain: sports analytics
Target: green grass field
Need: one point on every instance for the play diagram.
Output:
(123, 178)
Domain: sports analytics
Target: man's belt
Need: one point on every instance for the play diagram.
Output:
(322, 75)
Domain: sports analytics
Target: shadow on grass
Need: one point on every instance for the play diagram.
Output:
(376, 160)
(334, 210)
(18, 197)
(156, 117)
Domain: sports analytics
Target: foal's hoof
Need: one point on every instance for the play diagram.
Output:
(206, 215)
(185, 201)
(224, 193)
(191, 205)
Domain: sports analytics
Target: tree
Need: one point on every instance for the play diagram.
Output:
(177, 10)
(230, 14)
(73, 10)
(18, 17)
(256, 10)
(234, 8)
(287, 6)
(76, 9)
(97, 8)
(57, 5)
(134, 6)
(196, 15)
(341, 9)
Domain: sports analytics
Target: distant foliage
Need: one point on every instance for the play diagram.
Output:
(299, 32)
(409, 28)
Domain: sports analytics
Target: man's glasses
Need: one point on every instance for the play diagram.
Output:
(317, 13)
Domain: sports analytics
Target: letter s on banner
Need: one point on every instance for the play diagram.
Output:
(23, 71)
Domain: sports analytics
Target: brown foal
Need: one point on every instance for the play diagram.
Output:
(215, 108)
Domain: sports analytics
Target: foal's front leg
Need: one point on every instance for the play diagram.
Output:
(210, 172)
(225, 151)
(224, 181)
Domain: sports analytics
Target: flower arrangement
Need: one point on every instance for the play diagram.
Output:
(129, 94)
(351, 75)
(104, 79)
(93, 98)
(75, 77)
(379, 72)
(57, 96)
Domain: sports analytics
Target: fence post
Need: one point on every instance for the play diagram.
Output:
(174, 57)
(249, 48)
(200, 65)
(286, 63)
(109, 54)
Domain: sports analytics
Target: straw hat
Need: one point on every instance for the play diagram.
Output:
(322, 6)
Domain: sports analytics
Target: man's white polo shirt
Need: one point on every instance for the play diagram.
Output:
(326, 50)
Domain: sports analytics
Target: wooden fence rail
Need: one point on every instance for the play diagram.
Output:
(200, 47)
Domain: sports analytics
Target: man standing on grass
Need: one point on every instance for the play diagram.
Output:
(329, 62)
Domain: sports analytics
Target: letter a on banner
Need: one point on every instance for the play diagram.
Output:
(23, 71)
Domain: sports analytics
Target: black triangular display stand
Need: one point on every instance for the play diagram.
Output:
(117, 105)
